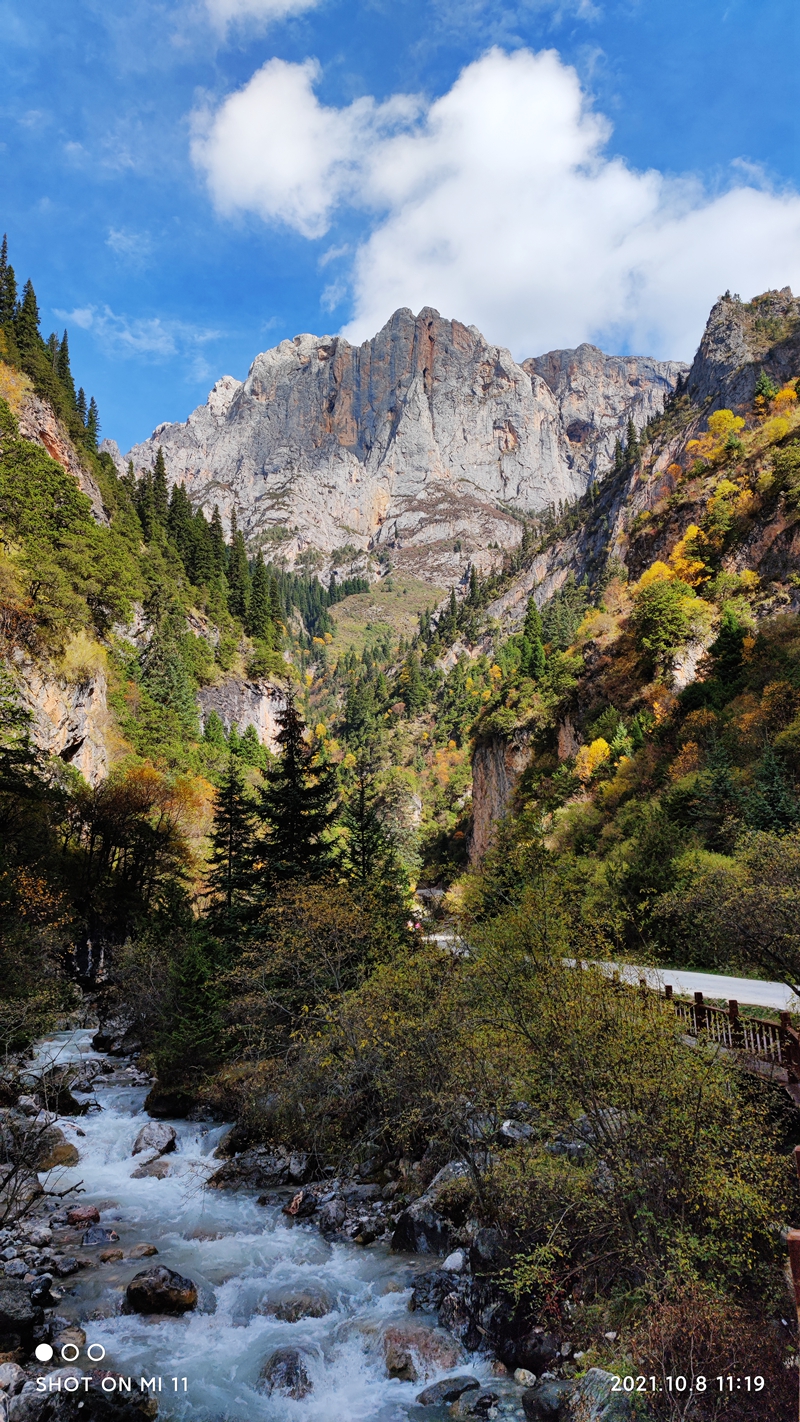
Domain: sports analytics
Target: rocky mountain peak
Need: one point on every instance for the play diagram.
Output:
(741, 339)
(422, 446)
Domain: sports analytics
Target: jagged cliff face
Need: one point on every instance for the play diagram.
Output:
(422, 438)
(39, 423)
(70, 719)
(244, 703)
(740, 340)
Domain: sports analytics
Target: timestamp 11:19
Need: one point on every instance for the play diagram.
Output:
(721, 1383)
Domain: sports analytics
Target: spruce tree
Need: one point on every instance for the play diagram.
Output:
(92, 424)
(369, 854)
(259, 614)
(201, 556)
(532, 658)
(238, 573)
(295, 804)
(26, 322)
(160, 490)
(63, 371)
(8, 287)
(218, 549)
(180, 520)
(233, 842)
(80, 405)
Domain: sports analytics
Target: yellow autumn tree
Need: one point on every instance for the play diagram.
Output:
(590, 758)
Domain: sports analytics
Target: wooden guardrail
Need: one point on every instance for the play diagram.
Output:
(759, 1040)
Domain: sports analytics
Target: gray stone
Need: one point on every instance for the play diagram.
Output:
(331, 1215)
(449, 1390)
(18, 1316)
(99, 1234)
(156, 1136)
(594, 1401)
(12, 1378)
(285, 1371)
(420, 1230)
(160, 1290)
(543, 1403)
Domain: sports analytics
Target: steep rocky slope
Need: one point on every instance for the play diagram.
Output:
(421, 444)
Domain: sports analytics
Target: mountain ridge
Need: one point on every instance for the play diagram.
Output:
(422, 447)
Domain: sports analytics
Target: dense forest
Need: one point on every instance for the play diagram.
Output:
(265, 917)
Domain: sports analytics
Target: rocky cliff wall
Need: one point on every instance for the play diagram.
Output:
(422, 438)
(71, 720)
(38, 422)
(244, 703)
(740, 340)
(496, 769)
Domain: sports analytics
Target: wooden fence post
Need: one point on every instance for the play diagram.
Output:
(699, 1013)
(736, 1023)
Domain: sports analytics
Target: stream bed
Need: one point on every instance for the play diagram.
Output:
(243, 1257)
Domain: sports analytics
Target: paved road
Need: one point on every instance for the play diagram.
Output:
(752, 991)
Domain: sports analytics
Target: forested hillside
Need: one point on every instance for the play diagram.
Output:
(591, 753)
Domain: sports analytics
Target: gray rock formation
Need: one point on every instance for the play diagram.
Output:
(242, 704)
(423, 438)
(740, 340)
(496, 768)
(39, 423)
(71, 719)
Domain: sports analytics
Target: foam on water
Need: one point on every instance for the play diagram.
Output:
(240, 1255)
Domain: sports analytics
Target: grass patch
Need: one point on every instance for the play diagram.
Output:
(393, 605)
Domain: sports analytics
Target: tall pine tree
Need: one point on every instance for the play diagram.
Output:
(238, 573)
(233, 847)
(532, 657)
(296, 804)
(259, 616)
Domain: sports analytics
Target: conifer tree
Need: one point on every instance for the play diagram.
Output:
(26, 322)
(180, 520)
(233, 842)
(64, 372)
(238, 573)
(295, 804)
(80, 405)
(201, 557)
(92, 424)
(145, 506)
(218, 549)
(369, 854)
(532, 659)
(8, 287)
(259, 614)
(160, 490)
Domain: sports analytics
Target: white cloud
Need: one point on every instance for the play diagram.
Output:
(226, 12)
(143, 336)
(499, 204)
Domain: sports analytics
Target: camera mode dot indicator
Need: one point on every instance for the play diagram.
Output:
(44, 1352)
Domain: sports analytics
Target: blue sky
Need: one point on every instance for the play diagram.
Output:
(189, 183)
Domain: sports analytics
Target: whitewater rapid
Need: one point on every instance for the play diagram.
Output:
(240, 1255)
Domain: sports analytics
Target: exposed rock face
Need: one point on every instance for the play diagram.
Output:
(740, 340)
(424, 436)
(70, 719)
(496, 768)
(160, 1290)
(597, 393)
(38, 422)
(242, 704)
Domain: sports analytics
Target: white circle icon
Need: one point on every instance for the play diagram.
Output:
(96, 1352)
(70, 1352)
(44, 1352)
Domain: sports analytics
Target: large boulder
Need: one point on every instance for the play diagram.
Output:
(174, 1105)
(290, 1306)
(157, 1136)
(53, 1149)
(449, 1390)
(263, 1168)
(594, 1400)
(543, 1403)
(160, 1290)
(489, 1252)
(285, 1372)
(421, 1230)
(18, 1316)
(412, 1351)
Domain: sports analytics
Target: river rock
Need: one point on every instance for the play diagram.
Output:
(172, 1105)
(489, 1252)
(420, 1230)
(73, 1334)
(306, 1303)
(331, 1215)
(262, 1168)
(18, 1316)
(66, 1266)
(544, 1402)
(449, 1390)
(157, 1136)
(55, 1150)
(160, 1290)
(285, 1371)
(83, 1215)
(301, 1205)
(89, 1404)
(142, 1251)
(99, 1234)
(593, 1400)
(475, 1404)
(12, 1378)
(412, 1351)
(158, 1169)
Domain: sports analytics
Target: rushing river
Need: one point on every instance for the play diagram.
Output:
(241, 1256)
